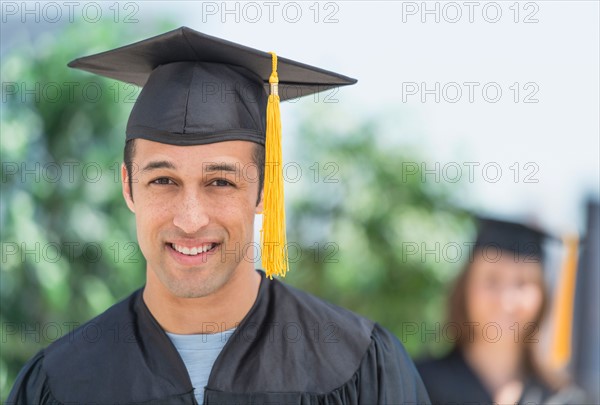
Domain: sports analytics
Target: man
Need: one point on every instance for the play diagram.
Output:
(207, 327)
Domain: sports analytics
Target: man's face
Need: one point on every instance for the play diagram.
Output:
(194, 209)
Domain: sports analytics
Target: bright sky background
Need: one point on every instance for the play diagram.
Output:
(388, 48)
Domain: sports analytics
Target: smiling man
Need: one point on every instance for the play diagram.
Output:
(208, 327)
(194, 219)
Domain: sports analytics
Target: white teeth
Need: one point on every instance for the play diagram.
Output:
(193, 251)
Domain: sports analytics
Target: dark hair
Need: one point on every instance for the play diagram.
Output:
(128, 153)
(458, 317)
(258, 156)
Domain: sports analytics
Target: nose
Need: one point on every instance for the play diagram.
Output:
(191, 214)
(509, 299)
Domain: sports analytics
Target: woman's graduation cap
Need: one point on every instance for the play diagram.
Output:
(198, 89)
(522, 240)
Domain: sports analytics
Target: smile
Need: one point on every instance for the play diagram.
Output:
(193, 251)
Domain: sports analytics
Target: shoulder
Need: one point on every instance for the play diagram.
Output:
(442, 376)
(293, 303)
(111, 327)
(69, 358)
(450, 380)
(93, 356)
(345, 326)
(538, 391)
(432, 369)
(383, 371)
(569, 395)
(326, 328)
(31, 385)
(387, 365)
(325, 347)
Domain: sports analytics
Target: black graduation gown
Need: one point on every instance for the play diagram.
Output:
(450, 380)
(291, 348)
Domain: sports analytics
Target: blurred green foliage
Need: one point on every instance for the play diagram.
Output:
(375, 238)
(68, 241)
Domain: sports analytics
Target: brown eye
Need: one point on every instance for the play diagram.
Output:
(521, 283)
(221, 183)
(162, 181)
(491, 282)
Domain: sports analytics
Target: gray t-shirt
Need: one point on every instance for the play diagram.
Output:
(199, 353)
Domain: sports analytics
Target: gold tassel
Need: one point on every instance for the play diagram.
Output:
(563, 307)
(272, 236)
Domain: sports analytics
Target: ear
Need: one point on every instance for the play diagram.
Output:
(126, 189)
(259, 207)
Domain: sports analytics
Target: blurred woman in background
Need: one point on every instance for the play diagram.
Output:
(496, 308)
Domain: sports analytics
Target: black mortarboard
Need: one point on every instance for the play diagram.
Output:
(201, 89)
(522, 240)
(198, 89)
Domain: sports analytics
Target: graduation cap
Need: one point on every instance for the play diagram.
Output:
(522, 240)
(199, 89)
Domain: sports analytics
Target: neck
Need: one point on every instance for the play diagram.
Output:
(223, 309)
(497, 364)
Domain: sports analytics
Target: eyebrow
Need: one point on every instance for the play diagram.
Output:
(220, 167)
(158, 164)
(208, 167)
